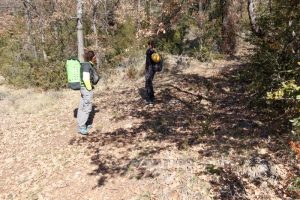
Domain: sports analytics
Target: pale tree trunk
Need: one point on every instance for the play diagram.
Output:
(45, 57)
(252, 16)
(148, 11)
(94, 23)
(41, 22)
(201, 15)
(138, 16)
(201, 12)
(55, 26)
(43, 40)
(200, 7)
(29, 23)
(80, 43)
(105, 17)
(94, 28)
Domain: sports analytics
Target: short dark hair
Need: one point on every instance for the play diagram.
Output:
(89, 55)
(151, 43)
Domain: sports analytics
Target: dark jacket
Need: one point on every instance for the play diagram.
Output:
(149, 61)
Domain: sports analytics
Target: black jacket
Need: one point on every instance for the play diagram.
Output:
(149, 61)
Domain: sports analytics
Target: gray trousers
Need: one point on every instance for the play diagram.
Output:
(85, 107)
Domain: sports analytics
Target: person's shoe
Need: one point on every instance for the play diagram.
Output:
(83, 131)
(90, 126)
(146, 102)
(149, 103)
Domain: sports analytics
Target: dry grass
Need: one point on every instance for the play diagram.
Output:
(29, 101)
(173, 150)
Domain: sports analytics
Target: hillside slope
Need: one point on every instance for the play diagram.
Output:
(198, 141)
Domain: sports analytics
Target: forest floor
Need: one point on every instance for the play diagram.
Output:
(200, 140)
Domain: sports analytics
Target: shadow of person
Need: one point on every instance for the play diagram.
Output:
(91, 117)
(75, 112)
(142, 93)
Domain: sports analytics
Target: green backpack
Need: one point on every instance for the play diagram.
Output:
(74, 73)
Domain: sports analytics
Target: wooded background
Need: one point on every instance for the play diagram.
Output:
(37, 36)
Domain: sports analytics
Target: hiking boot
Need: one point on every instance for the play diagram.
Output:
(90, 126)
(83, 131)
(147, 102)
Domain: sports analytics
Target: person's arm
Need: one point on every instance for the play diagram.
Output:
(86, 76)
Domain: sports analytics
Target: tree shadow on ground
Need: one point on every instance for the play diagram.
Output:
(190, 110)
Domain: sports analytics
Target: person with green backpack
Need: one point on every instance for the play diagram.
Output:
(89, 78)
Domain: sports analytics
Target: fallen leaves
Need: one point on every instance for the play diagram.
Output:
(295, 146)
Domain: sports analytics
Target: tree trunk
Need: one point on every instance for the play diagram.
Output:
(43, 40)
(252, 16)
(94, 23)
(80, 43)
(229, 26)
(29, 23)
(94, 28)
(138, 16)
(105, 17)
(148, 11)
(201, 13)
(200, 7)
(270, 6)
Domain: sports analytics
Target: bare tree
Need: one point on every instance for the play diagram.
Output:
(229, 26)
(29, 23)
(80, 43)
(105, 17)
(200, 7)
(95, 29)
(94, 22)
(43, 37)
(138, 15)
(148, 10)
(252, 16)
(41, 15)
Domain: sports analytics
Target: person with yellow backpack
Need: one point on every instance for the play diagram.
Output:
(153, 65)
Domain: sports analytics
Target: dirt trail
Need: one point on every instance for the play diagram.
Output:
(199, 141)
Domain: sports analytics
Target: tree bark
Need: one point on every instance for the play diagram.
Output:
(42, 24)
(270, 6)
(229, 26)
(43, 40)
(94, 23)
(95, 30)
(148, 11)
(252, 16)
(138, 16)
(80, 43)
(29, 24)
(105, 17)
(200, 7)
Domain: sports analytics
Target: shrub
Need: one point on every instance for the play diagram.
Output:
(275, 73)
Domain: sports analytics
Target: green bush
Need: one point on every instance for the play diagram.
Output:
(36, 74)
(275, 75)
